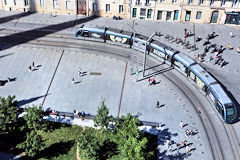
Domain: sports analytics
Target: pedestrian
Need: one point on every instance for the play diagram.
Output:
(8, 79)
(187, 133)
(185, 30)
(231, 34)
(181, 124)
(79, 72)
(72, 80)
(149, 81)
(187, 149)
(168, 142)
(190, 133)
(33, 65)
(153, 81)
(170, 148)
(83, 114)
(30, 67)
(158, 105)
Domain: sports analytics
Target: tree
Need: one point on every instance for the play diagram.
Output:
(128, 138)
(102, 119)
(33, 143)
(8, 114)
(34, 117)
(89, 144)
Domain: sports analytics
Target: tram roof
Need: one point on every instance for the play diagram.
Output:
(202, 74)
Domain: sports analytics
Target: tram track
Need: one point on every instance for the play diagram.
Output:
(211, 131)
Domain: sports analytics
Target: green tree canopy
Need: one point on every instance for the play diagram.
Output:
(128, 138)
(8, 113)
(34, 117)
(33, 143)
(102, 119)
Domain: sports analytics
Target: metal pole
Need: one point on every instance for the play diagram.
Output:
(147, 43)
(194, 36)
(138, 62)
(134, 34)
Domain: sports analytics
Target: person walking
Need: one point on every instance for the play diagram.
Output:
(185, 30)
(79, 72)
(158, 105)
(231, 34)
(149, 81)
(73, 80)
(181, 124)
(187, 149)
(30, 68)
(33, 65)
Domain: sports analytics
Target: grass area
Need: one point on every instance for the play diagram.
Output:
(60, 142)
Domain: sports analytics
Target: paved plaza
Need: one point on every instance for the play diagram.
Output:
(139, 99)
(105, 75)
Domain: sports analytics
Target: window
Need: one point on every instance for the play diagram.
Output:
(147, 2)
(68, 5)
(55, 3)
(223, 2)
(198, 16)
(134, 14)
(120, 9)
(162, 0)
(174, 1)
(94, 6)
(107, 7)
(143, 12)
(42, 2)
(149, 14)
(188, 15)
(159, 15)
(211, 2)
(168, 17)
(190, 1)
(175, 15)
(234, 3)
(16, 2)
(201, 2)
(137, 2)
(25, 2)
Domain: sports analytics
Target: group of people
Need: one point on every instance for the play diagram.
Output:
(182, 144)
(32, 67)
(80, 74)
(79, 114)
(151, 81)
(187, 33)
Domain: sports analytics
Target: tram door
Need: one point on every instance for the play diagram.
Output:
(81, 7)
(214, 17)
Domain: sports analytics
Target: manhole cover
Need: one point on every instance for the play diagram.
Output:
(96, 73)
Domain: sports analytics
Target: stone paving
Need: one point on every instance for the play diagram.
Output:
(30, 88)
(174, 28)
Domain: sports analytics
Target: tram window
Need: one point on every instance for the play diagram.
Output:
(230, 111)
(218, 107)
(85, 34)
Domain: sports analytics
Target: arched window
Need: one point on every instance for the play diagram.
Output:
(214, 17)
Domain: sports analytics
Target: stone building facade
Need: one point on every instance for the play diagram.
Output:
(193, 11)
